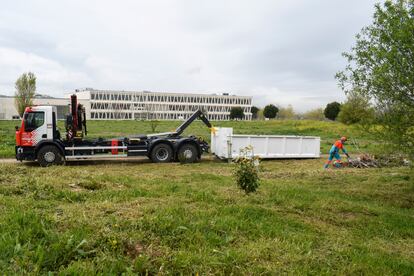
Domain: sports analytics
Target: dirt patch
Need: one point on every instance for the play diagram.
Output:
(133, 249)
(75, 188)
(8, 160)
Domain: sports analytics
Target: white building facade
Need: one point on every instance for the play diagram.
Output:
(142, 105)
(139, 105)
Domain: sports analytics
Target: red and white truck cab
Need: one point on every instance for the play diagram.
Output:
(38, 128)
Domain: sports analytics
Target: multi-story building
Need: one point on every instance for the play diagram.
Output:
(126, 105)
(107, 104)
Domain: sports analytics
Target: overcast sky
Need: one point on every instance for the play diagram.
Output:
(278, 51)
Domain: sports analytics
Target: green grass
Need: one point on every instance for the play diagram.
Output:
(328, 131)
(139, 217)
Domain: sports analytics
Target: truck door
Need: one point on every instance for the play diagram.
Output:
(35, 128)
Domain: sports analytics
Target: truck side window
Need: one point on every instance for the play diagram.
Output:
(33, 120)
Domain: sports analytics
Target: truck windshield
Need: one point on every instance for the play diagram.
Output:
(33, 120)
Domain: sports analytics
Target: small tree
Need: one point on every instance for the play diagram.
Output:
(236, 113)
(154, 124)
(270, 111)
(246, 171)
(254, 111)
(356, 109)
(25, 91)
(332, 110)
(260, 115)
(314, 114)
(287, 113)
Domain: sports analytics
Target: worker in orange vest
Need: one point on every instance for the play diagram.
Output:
(334, 152)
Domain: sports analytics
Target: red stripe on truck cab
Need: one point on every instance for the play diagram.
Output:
(114, 143)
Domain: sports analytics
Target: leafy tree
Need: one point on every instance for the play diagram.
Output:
(314, 114)
(332, 110)
(270, 111)
(381, 67)
(356, 109)
(25, 91)
(287, 113)
(236, 113)
(254, 111)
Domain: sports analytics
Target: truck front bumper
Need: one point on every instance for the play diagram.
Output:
(25, 153)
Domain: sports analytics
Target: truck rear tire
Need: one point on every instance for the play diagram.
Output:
(188, 153)
(50, 155)
(161, 153)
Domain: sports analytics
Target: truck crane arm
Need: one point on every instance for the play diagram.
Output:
(198, 114)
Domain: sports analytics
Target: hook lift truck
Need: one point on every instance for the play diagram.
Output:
(39, 139)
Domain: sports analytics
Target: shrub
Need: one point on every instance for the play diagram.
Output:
(270, 111)
(236, 113)
(154, 124)
(357, 109)
(332, 110)
(287, 113)
(314, 114)
(254, 111)
(246, 172)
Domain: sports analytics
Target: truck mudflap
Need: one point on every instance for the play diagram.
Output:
(205, 148)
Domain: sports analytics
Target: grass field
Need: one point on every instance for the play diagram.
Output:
(328, 131)
(139, 217)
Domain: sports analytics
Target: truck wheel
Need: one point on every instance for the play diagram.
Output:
(187, 153)
(49, 155)
(161, 153)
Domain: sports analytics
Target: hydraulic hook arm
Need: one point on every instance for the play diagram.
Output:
(198, 114)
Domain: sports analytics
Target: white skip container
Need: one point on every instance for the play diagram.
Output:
(225, 145)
